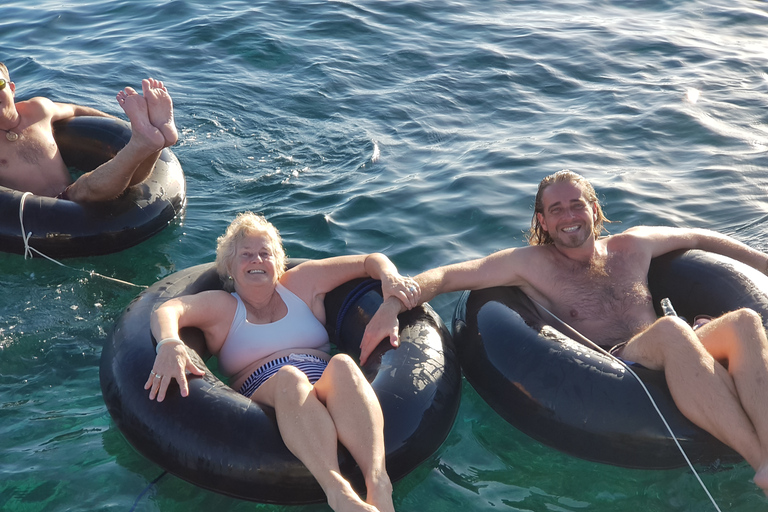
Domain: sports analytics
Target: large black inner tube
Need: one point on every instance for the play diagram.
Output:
(580, 401)
(222, 441)
(65, 229)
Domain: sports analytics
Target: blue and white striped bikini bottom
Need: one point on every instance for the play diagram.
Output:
(312, 366)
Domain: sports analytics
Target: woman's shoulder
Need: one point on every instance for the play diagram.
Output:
(298, 278)
(210, 300)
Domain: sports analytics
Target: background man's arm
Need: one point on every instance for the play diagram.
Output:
(59, 111)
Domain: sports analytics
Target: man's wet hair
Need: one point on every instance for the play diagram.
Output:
(537, 234)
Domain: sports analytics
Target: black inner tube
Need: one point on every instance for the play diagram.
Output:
(580, 401)
(66, 229)
(220, 440)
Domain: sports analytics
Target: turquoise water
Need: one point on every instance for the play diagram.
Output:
(419, 129)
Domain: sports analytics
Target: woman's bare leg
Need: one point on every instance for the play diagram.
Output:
(359, 422)
(310, 434)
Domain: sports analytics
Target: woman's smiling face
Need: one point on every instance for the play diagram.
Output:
(254, 261)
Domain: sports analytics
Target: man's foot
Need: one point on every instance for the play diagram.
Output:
(143, 133)
(160, 108)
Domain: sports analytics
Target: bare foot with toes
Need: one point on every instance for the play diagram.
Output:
(160, 107)
(142, 130)
(345, 499)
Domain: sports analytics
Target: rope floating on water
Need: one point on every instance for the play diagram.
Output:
(146, 489)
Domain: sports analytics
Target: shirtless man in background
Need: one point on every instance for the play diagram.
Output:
(599, 286)
(30, 160)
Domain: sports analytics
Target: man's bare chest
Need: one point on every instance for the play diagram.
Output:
(33, 162)
(607, 304)
(586, 298)
(34, 147)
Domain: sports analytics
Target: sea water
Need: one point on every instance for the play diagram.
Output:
(416, 128)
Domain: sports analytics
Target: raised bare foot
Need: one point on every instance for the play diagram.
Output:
(160, 106)
(143, 132)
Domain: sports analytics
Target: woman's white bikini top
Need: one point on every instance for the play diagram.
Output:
(247, 342)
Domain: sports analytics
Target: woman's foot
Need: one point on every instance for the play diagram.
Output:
(380, 495)
(345, 499)
(761, 478)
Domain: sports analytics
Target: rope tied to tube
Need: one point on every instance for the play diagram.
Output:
(28, 249)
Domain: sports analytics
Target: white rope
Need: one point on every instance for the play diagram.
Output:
(669, 429)
(24, 236)
(28, 249)
(594, 346)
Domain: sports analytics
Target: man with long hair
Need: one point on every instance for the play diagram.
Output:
(599, 286)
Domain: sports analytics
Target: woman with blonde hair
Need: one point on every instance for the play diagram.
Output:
(270, 339)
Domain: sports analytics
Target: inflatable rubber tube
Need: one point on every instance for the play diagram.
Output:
(579, 400)
(65, 229)
(219, 440)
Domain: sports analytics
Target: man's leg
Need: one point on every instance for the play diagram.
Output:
(739, 338)
(724, 402)
(135, 161)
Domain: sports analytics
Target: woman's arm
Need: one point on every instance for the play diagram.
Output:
(211, 312)
(405, 289)
(312, 279)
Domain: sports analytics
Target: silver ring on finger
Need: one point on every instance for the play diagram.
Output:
(158, 376)
(412, 289)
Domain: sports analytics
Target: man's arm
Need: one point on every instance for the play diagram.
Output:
(665, 239)
(59, 111)
(504, 268)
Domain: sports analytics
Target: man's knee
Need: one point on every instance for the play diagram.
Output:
(745, 318)
(672, 327)
(669, 335)
(748, 338)
(83, 191)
